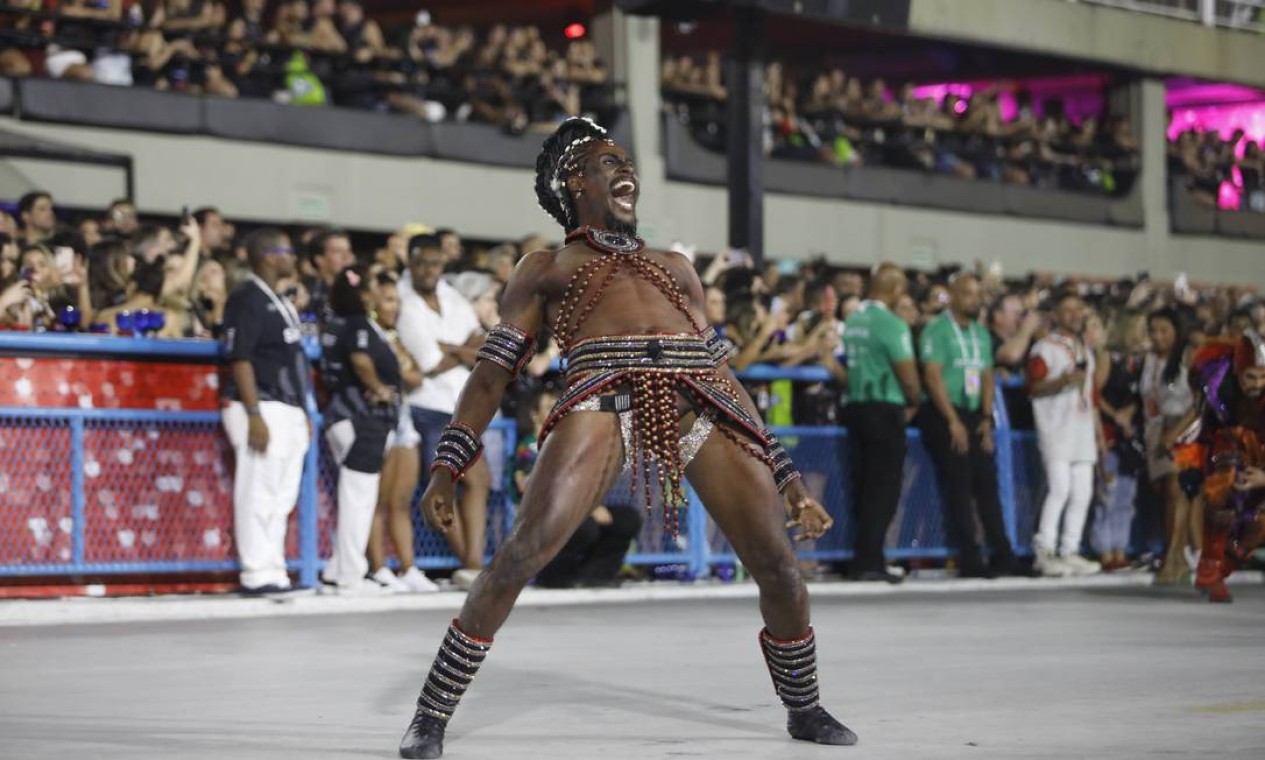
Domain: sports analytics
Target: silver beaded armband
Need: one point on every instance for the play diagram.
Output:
(784, 470)
(459, 447)
(508, 347)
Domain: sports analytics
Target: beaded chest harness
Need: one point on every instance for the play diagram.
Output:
(656, 369)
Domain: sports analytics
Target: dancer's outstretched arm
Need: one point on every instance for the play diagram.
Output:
(507, 347)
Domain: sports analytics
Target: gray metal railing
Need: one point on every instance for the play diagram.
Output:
(1230, 14)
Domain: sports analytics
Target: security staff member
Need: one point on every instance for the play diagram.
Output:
(957, 429)
(883, 390)
(264, 418)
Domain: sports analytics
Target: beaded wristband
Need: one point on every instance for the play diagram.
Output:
(716, 346)
(459, 447)
(508, 347)
(784, 470)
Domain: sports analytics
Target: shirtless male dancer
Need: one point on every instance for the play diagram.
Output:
(647, 389)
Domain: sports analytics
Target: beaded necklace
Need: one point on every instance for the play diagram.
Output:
(618, 251)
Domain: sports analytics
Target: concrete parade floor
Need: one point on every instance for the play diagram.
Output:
(1091, 672)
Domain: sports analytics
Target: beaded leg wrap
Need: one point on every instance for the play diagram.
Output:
(793, 667)
(455, 666)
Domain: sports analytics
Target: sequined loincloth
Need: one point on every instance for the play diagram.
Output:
(656, 371)
(691, 441)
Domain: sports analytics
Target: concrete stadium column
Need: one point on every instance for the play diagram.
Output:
(744, 78)
(1152, 124)
(608, 35)
(631, 46)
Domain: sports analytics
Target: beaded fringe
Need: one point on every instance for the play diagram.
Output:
(669, 368)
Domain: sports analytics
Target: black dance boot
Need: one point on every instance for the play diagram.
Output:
(793, 666)
(450, 675)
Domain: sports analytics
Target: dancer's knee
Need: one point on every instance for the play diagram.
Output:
(519, 559)
(780, 574)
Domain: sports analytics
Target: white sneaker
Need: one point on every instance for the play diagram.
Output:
(1081, 566)
(362, 587)
(1050, 565)
(464, 578)
(415, 581)
(389, 581)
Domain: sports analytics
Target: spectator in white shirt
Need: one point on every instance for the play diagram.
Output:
(441, 330)
(1061, 381)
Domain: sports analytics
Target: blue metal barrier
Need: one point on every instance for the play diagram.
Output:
(97, 491)
(38, 440)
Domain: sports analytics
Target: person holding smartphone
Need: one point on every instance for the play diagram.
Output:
(1061, 373)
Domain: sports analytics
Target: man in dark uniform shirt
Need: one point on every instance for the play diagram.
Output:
(264, 416)
(362, 374)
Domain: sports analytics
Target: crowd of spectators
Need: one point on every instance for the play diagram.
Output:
(311, 53)
(1136, 336)
(112, 274)
(793, 315)
(829, 117)
(99, 272)
(1209, 164)
(115, 272)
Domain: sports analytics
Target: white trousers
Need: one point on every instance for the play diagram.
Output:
(357, 500)
(265, 488)
(1071, 487)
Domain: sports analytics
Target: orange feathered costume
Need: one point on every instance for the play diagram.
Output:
(1231, 437)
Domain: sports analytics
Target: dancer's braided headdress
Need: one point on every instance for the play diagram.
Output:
(560, 155)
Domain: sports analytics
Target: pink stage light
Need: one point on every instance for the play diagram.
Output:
(1082, 96)
(1224, 119)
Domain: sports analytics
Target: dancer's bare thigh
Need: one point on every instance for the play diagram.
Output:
(739, 493)
(576, 467)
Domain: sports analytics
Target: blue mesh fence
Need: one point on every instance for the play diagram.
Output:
(114, 491)
(823, 456)
(157, 491)
(110, 491)
(1028, 477)
(36, 517)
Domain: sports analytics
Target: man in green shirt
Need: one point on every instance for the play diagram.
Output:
(883, 391)
(957, 429)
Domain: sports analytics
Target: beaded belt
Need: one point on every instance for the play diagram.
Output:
(649, 353)
(655, 371)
